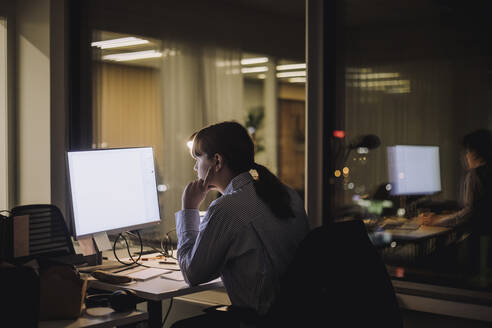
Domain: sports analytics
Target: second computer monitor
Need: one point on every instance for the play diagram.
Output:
(414, 170)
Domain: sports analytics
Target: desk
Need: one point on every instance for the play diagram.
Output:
(422, 232)
(399, 246)
(97, 317)
(155, 290)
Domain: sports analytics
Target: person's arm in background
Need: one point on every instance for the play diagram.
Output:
(471, 193)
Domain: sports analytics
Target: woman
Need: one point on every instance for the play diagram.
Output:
(249, 235)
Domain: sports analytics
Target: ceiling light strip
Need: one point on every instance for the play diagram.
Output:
(252, 61)
(292, 74)
(258, 69)
(121, 42)
(133, 55)
(291, 66)
(297, 80)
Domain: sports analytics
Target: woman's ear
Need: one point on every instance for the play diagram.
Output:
(218, 162)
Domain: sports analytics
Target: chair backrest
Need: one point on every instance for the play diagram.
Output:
(48, 233)
(338, 277)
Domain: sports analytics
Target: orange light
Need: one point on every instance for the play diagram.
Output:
(338, 173)
(339, 134)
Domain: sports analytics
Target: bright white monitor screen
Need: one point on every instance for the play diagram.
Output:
(414, 170)
(113, 190)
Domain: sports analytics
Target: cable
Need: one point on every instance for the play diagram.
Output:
(128, 250)
(134, 262)
(168, 310)
(168, 244)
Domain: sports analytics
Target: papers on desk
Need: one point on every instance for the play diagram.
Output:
(146, 273)
(173, 275)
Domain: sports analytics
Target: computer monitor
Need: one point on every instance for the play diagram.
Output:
(414, 170)
(112, 190)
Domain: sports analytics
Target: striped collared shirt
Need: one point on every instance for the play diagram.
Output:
(240, 240)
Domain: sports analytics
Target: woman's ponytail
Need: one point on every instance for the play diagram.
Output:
(272, 192)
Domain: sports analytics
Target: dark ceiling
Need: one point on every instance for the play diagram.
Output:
(380, 12)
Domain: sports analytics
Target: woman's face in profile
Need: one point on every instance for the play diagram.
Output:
(202, 164)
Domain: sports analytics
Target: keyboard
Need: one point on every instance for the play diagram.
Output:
(401, 224)
(409, 226)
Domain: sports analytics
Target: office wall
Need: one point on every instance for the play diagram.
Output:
(292, 91)
(33, 101)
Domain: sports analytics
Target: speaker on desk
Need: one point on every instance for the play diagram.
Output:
(120, 300)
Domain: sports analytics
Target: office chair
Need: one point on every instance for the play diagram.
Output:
(339, 280)
(48, 233)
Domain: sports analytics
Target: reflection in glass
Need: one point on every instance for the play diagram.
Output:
(417, 90)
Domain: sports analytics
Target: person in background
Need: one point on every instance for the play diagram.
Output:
(474, 216)
(248, 236)
(477, 193)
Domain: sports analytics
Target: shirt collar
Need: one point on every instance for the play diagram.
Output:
(237, 182)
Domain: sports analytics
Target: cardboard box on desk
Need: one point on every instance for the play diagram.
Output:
(62, 292)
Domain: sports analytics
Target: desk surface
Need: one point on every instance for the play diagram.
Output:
(422, 232)
(158, 288)
(97, 317)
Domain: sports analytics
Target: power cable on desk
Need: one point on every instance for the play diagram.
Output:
(133, 261)
(168, 310)
(167, 244)
(161, 251)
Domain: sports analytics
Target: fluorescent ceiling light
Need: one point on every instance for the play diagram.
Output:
(291, 66)
(251, 61)
(358, 70)
(121, 42)
(297, 80)
(257, 69)
(370, 76)
(133, 55)
(383, 83)
(291, 74)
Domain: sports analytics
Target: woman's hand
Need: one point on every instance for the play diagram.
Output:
(195, 192)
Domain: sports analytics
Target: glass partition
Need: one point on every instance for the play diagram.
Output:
(412, 165)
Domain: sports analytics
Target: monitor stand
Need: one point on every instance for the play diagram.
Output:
(92, 247)
(94, 259)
